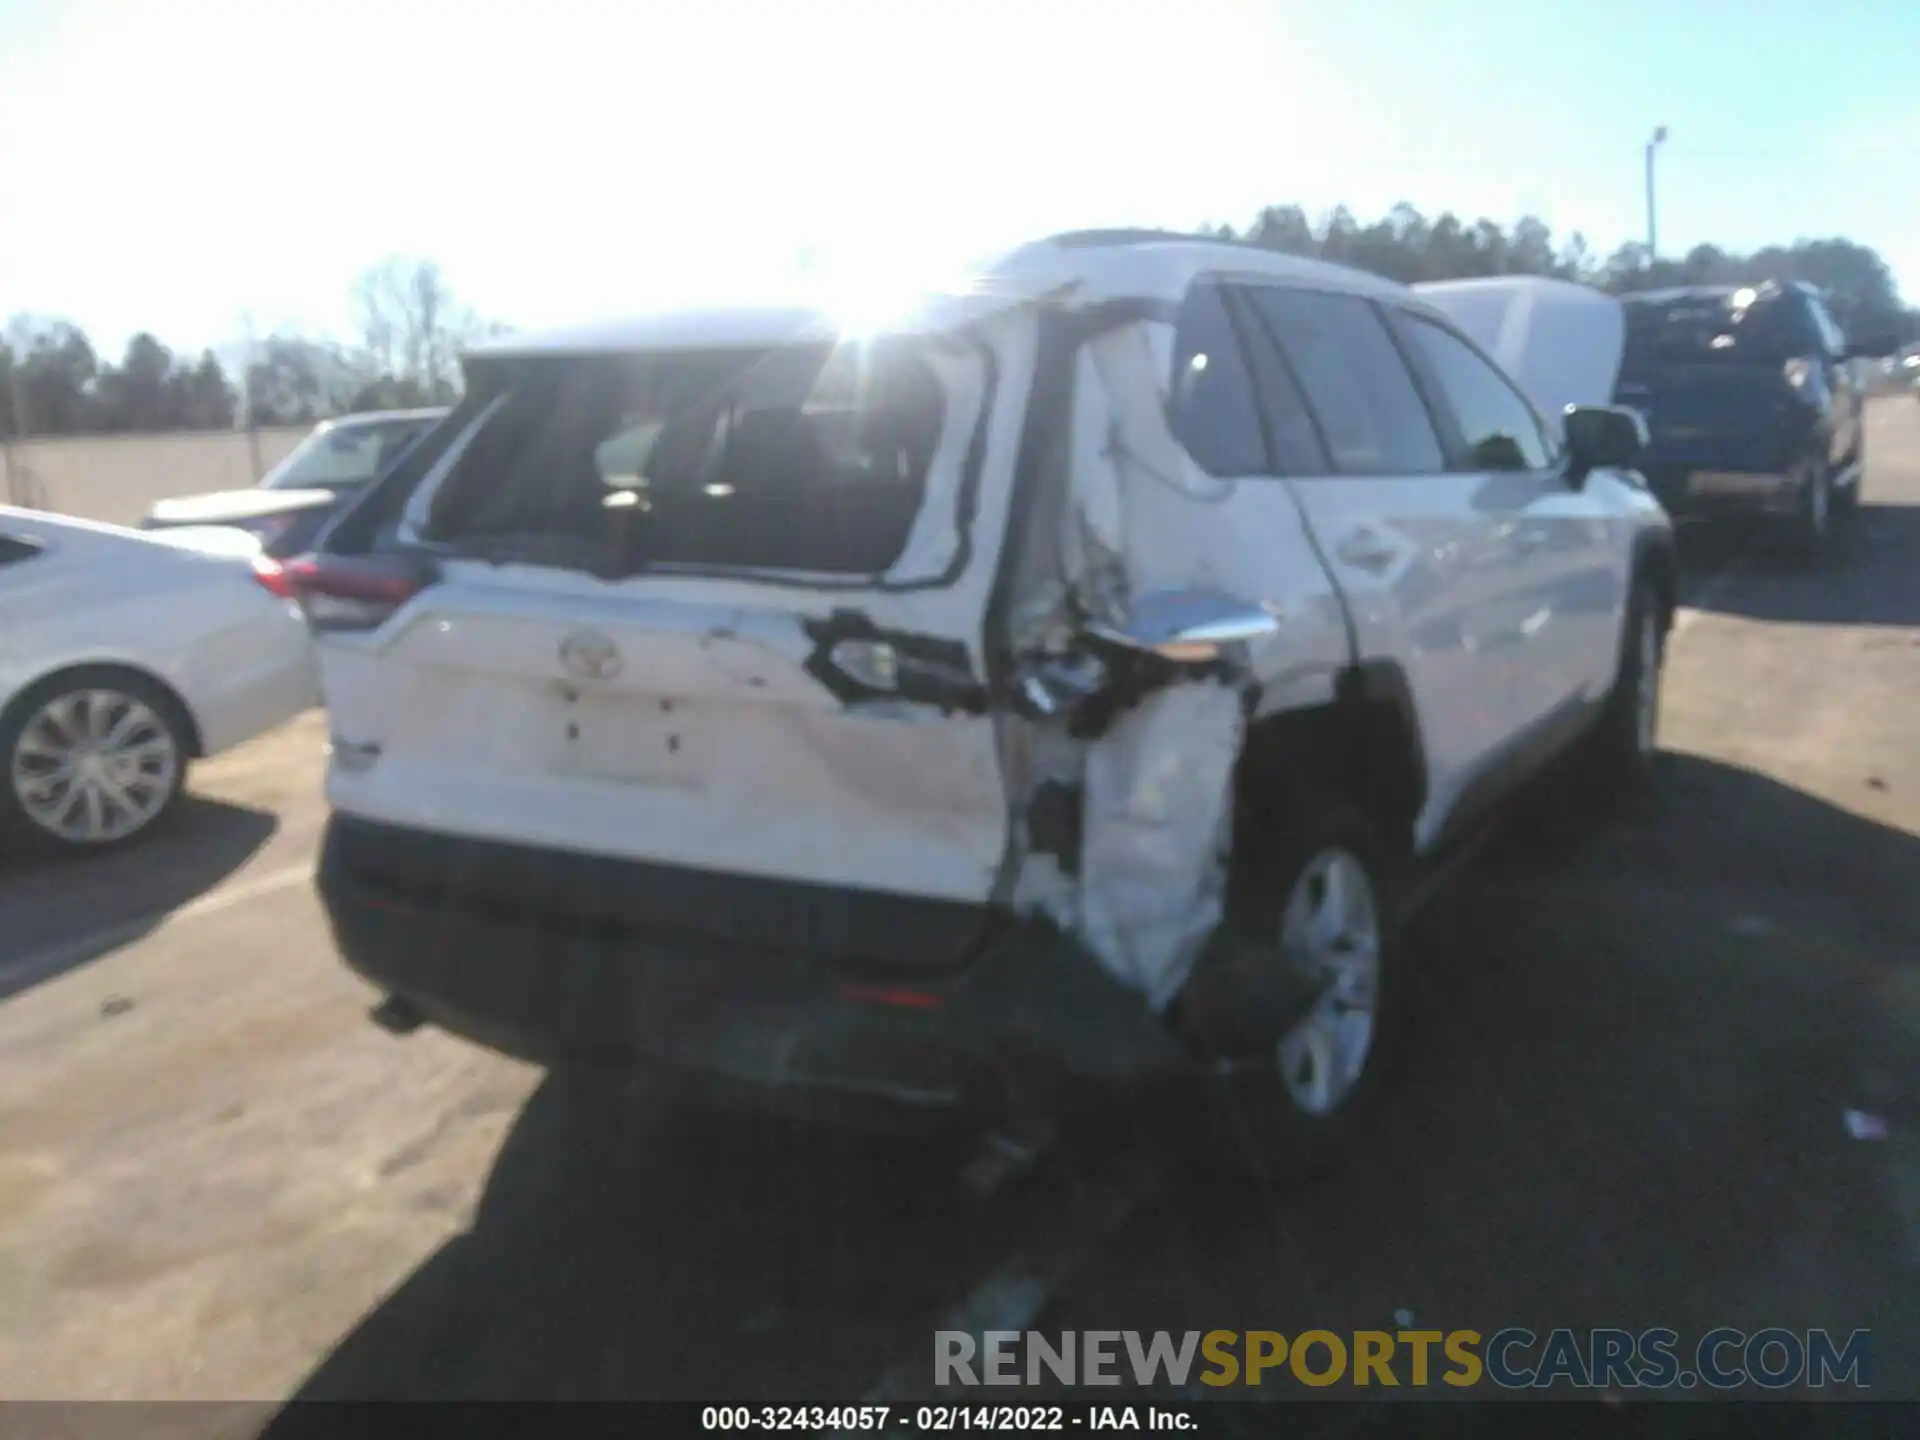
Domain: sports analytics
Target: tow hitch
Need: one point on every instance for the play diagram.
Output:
(397, 1016)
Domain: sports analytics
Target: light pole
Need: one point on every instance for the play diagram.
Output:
(1653, 234)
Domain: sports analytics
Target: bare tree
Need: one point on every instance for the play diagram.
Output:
(411, 327)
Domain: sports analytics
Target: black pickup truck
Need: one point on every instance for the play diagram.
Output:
(1753, 403)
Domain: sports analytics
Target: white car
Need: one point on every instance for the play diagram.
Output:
(1085, 673)
(125, 656)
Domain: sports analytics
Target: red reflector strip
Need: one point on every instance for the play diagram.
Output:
(894, 995)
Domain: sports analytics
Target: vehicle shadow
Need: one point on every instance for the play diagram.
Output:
(1660, 1109)
(1868, 581)
(64, 911)
(1626, 1102)
(637, 1248)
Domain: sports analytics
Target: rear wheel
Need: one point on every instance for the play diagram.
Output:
(1619, 755)
(1811, 528)
(1846, 500)
(1316, 906)
(93, 758)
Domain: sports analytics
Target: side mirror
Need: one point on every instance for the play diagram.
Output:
(1874, 345)
(1602, 437)
(1188, 627)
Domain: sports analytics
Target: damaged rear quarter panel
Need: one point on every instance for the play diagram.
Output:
(1157, 786)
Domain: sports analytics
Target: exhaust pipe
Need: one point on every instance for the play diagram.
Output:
(397, 1016)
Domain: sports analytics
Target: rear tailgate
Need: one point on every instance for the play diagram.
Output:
(1724, 415)
(657, 692)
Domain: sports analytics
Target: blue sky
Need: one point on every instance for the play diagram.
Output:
(189, 166)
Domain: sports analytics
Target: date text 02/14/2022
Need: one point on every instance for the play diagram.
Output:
(847, 1419)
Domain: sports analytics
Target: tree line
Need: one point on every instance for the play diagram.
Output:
(1405, 246)
(410, 329)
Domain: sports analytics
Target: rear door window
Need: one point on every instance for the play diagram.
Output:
(811, 459)
(1355, 380)
(1291, 432)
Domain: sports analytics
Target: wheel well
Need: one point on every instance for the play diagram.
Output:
(1364, 748)
(108, 671)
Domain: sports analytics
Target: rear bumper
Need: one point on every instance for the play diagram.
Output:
(775, 1028)
(1690, 492)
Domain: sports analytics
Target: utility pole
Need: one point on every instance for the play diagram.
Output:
(1653, 233)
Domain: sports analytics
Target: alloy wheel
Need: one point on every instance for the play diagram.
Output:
(1330, 928)
(95, 765)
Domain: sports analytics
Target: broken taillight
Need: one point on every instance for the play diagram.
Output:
(355, 592)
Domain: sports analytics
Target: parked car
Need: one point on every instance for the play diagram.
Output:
(290, 506)
(1754, 406)
(123, 658)
(1083, 677)
(1906, 368)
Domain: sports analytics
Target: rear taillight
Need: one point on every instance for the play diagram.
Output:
(272, 576)
(355, 592)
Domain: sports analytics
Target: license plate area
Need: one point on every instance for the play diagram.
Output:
(635, 740)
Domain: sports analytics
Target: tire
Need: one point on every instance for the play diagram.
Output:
(1848, 498)
(67, 719)
(1810, 531)
(1293, 1101)
(1621, 751)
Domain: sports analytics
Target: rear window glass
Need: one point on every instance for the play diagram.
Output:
(811, 459)
(340, 455)
(1742, 327)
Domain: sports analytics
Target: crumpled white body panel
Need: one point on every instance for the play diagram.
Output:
(1157, 787)
(1153, 860)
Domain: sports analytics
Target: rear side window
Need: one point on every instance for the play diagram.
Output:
(810, 459)
(14, 549)
(1498, 427)
(1210, 407)
(1355, 380)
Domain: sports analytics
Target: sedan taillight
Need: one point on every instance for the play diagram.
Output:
(355, 592)
(272, 576)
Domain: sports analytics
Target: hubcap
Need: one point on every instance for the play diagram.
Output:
(1330, 929)
(93, 766)
(1647, 710)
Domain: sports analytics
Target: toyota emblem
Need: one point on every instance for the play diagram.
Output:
(590, 655)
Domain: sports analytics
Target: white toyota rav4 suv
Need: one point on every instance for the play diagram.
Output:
(1079, 676)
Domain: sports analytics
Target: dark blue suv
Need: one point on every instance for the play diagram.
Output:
(1753, 404)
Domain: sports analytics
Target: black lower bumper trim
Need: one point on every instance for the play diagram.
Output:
(550, 985)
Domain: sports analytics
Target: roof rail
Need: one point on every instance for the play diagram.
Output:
(1098, 239)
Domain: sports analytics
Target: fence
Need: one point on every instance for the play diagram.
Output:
(116, 478)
